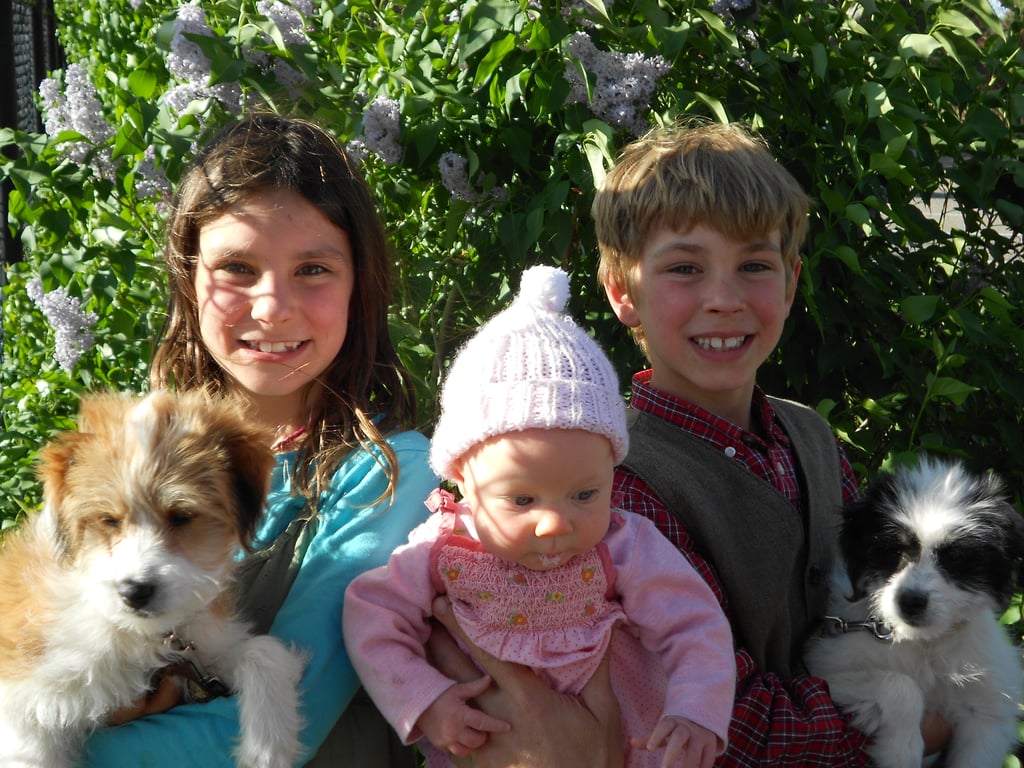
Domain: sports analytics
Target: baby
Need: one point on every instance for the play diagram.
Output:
(539, 567)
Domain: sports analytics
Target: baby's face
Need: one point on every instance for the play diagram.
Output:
(541, 496)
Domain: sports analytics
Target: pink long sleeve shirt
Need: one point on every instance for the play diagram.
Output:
(675, 657)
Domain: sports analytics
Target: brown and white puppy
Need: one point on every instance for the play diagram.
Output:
(127, 570)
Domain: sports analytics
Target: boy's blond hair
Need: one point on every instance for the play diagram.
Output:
(682, 176)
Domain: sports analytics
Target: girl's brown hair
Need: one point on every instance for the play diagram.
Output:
(365, 392)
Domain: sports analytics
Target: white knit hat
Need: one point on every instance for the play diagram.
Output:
(529, 367)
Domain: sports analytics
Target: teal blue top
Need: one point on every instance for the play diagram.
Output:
(356, 532)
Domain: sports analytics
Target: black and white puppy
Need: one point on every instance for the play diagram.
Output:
(931, 559)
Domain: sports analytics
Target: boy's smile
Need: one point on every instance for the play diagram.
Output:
(712, 310)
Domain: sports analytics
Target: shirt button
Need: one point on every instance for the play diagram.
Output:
(730, 452)
(779, 468)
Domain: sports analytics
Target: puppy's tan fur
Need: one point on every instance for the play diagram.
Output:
(145, 508)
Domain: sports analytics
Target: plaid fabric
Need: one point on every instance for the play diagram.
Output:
(775, 722)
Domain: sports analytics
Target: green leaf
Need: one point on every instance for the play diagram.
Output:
(143, 83)
(918, 46)
(919, 309)
(954, 390)
(496, 53)
(876, 98)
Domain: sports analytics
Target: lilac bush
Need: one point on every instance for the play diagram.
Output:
(482, 127)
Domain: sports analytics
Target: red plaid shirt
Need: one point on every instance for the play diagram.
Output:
(775, 722)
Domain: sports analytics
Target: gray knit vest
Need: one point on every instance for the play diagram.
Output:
(772, 560)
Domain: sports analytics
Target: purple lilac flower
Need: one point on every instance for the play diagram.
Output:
(726, 8)
(622, 84)
(187, 63)
(151, 180)
(71, 323)
(77, 108)
(455, 177)
(380, 130)
(289, 18)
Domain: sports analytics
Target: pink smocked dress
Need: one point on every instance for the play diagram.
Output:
(559, 622)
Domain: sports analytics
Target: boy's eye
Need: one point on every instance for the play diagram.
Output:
(684, 269)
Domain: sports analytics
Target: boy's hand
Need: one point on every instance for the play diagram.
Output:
(686, 743)
(548, 728)
(452, 725)
(936, 732)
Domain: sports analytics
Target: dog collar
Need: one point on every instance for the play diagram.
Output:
(834, 625)
(200, 685)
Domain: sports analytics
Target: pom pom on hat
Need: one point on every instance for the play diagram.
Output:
(544, 288)
(529, 367)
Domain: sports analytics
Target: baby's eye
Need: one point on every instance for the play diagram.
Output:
(586, 495)
(521, 501)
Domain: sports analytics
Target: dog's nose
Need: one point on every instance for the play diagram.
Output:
(912, 603)
(136, 594)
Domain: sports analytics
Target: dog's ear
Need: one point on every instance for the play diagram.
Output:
(862, 537)
(253, 462)
(1015, 541)
(852, 535)
(55, 461)
(248, 446)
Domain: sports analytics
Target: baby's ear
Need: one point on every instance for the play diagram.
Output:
(457, 477)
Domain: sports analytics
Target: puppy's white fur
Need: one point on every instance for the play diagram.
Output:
(145, 507)
(931, 554)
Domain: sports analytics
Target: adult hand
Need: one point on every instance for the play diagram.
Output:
(166, 695)
(548, 728)
(936, 732)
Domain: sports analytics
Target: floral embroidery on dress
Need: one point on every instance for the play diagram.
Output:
(499, 593)
(558, 621)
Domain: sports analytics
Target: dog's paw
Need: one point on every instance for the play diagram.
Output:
(897, 749)
(256, 756)
(268, 675)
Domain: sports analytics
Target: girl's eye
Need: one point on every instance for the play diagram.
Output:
(684, 269)
(313, 269)
(233, 269)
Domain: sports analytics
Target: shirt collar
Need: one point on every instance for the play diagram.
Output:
(698, 421)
